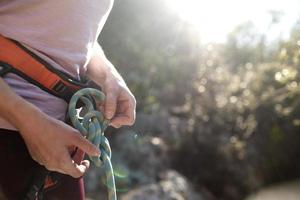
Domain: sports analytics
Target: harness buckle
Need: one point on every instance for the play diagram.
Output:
(60, 87)
(4, 68)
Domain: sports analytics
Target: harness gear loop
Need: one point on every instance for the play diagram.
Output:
(92, 125)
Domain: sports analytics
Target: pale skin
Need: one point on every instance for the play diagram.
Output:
(49, 140)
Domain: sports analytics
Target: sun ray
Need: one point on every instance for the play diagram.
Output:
(216, 18)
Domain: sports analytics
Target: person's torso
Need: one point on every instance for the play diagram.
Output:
(62, 32)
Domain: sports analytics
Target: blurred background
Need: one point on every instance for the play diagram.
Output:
(217, 85)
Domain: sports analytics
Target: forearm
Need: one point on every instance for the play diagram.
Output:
(48, 140)
(119, 105)
(13, 108)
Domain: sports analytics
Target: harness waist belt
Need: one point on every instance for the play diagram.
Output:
(17, 59)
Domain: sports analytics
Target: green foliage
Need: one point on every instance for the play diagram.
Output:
(239, 101)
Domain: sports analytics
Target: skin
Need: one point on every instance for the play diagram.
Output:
(120, 103)
(49, 141)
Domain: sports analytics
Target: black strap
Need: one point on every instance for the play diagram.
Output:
(60, 90)
(4, 68)
(35, 190)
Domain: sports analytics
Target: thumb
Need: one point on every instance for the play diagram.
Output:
(86, 146)
(110, 105)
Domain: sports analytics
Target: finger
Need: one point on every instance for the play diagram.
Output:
(115, 125)
(125, 113)
(110, 105)
(80, 169)
(129, 110)
(78, 157)
(122, 120)
(76, 170)
(70, 167)
(86, 163)
(85, 145)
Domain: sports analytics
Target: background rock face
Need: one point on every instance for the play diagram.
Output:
(288, 191)
(173, 186)
(143, 158)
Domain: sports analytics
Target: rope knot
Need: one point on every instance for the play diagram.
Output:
(92, 125)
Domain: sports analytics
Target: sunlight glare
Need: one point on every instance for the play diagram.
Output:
(216, 18)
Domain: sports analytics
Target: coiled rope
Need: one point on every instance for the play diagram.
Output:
(92, 126)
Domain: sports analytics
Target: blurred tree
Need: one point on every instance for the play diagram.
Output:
(155, 51)
(232, 109)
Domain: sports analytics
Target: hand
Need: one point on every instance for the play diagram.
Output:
(50, 142)
(120, 103)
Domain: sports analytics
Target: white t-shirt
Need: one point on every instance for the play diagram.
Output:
(62, 32)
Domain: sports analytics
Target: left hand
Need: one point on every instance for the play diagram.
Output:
(120, 104)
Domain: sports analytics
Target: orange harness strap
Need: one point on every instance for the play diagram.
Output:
(15, 58)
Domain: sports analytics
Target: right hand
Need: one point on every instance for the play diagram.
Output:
(50, 141)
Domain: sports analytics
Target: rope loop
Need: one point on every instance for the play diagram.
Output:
(92, 125)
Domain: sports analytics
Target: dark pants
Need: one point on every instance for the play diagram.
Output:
(17, 170)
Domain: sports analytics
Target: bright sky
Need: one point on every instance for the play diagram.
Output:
(216, 18)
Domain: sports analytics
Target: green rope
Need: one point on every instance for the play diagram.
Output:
(92, 126)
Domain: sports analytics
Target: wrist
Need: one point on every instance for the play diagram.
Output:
(15, 109)
(22, 114)
(100, 69)
(97, 73)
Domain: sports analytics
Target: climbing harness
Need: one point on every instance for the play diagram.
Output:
(16, 58)
(92, 126)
